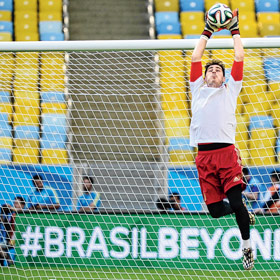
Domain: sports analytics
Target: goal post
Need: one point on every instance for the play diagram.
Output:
(119, 112)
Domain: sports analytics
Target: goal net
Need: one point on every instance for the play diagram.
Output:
(97, 177)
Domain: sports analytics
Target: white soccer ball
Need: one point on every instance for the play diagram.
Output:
(219, 15)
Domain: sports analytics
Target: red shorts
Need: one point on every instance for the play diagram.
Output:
(218, 171)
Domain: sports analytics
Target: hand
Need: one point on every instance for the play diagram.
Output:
(233, 25)
(209, 29)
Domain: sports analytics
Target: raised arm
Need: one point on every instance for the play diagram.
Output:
(199, 50)
(238, 48)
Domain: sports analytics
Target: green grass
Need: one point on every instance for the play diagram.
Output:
(7, 273)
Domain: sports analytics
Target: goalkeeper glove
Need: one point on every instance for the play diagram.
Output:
(233, 25)
(209, 29)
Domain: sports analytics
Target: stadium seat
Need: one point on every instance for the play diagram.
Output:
(7, 65)
(192, 6)
(247, 16)
(262, 138)
(181, 157)
(5, 97)
(6, 37)
(50, 5)
(169, 28)
(272, 68)
(50, 16)
(5, 129)
(171, 60)
(6, 142)
(50, 27)
(52, 97)
(7, 108)
(170, 74)
(27, 60)
(54, 156)
(263, 156)
(6, 26)
(249, 29)
(27, 36)
(173, 87)
(251, 110)
(267, 6)
(224, 33)
(270, 17)
(188, 17)
(26, 155)
(253, 69)
(167, 5)
(26, 76)
(245, 155)
(174, 102)
(210, 3)
(52, 142)
(5, 155)
(192, 29)
(6, 5)
(169, 36)
(254, 92)
(22, 17)
(269, 29)
(261, 122)
(166, 17)
(26, 136)
(5, 15)
(177, 125)
(54, 124)
(26, 5)
(52, 85)
(243, 6)
(275, 113)
(242, 135)
(51, 37)
(54, 108)
(274, 89)
(25, 115)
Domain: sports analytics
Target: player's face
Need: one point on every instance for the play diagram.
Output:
(18, 204)
(39, 184)
(214, 76)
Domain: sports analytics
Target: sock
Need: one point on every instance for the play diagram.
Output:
(246, 244)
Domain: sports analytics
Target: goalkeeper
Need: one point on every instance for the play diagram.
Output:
(212, 130)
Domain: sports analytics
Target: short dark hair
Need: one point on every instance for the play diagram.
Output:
(275, 175)
(88, 178)
(20, 198)
(245, 171)
(215, 62)
(36, 177)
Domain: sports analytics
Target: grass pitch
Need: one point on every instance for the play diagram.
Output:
(11, 273)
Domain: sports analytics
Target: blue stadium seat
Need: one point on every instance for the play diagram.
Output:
(54, 125)
(6, 26)
(272, 68)
(179, 143)
(53, 142)
(261, 121)
(52, 37)
(6, 5)
(50, 27)
(267, 6)
(4, 97)
(5, 154)
(27, 132)
(5, 129)
(4, 118)
(192, 36)
(192, 5)
(223, 32)
(169, 28)
(52, 97)
(166, 17)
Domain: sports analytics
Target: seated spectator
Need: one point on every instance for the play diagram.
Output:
(90, 200)
(252, 191)
(271, 202)
(163, 204)
(42, 198)
(7, 229)
(175, 202)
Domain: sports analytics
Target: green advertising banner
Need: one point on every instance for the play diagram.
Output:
(189, 241)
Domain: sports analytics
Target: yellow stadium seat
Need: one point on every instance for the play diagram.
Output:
(27, 143)
(265, 17)
(26, 155)
(270, 52)
(27, 36)
(249, 29)
(7, 108)
(264, 156)
(53, 63)
(26, 75)
(239, 105)
(25, 115)
(243, 5)
(6, 142)
(173, 87)
(174, 102)
(242, 135)
(6, 37)
(54, 108)
(225, 55)
(171, 59)
(275, 113)
(50, 16)
(50, 5)
(54, 156)
(26, 5)
(254, 92)
(181, 157)
(177, 126)
(167, 5)
(253, 69)
(262, 138)
(210, 3)
(23, 17)
(7, 65)
(247, 16)
(29, 86)
(269, 29)
(245, 156)
(274, 89)
(53, 74)
(28, 60)
(194, 28)
(171, 77)
(256, 109)
(169, 36)
(52, 85)
(5, 16)
(191, 17)
(23, 98)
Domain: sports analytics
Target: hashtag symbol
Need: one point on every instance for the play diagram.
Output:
(31, 241)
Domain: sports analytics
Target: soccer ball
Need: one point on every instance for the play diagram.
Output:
(219, 15)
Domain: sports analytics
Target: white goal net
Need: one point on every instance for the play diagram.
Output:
(97, 177)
